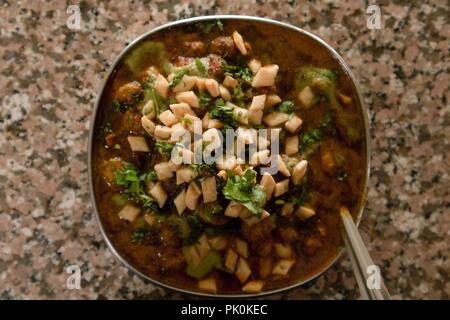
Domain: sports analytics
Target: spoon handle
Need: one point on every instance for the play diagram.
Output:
(363, 266)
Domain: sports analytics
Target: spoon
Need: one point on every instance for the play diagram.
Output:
(367, 274)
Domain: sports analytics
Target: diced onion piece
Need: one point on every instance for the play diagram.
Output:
(227, 163)
(265, 267)
(246, 135)
(212, 86)
(215, 124)
(222, 174)
(200, 84)
(185, 174)
(163, 170)
(254, 286)
(268, 184)
(291, 145)
(281, 188)
(138, 144)
(181, 109)
(282, 167)
(208, 285)
(186, 84)
(274, 119)
(287, 209)
(148, 125)
(193, 194)
(265, 77)
(304, 213)
(282, 267)
(129, 212)
(177, 133)
(159, 194)
(260, 157)
(306, 97)
(162, 86)
(256, 110)
(254, 65)
(293, 124)
(240, 114)
(162, 132)
(203, 246)
(299, 172)
(209, 189)
(238, 170)
(229, 82)
(265, 214)
(172, 166)
(230, 260)
(233, 209)
(188, 97)
(195, 256)
(271, 100)
(263, 143)
(168, 118)
(148, 110)
(283, 251)
(239, 42)
(218, 243)
(150, 218)
(180, 202)
(242, 248)
(243, 270)
(224, 93)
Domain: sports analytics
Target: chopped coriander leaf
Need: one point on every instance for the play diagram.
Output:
(164, 147)
(313, 136)
(185, 121)
(133, 182)
(210, 25)
(300, 194)
(326, 120)
(204, 99)
(150, 93)
(341, 175)
(287, 107)
(210, 212)
(244, 190)
(152, 176)
(200, 66)
(219, 25)
(156, 101)
(195, 228)
(203, 168)
(138, 236)
(104, 131)
(177, 77)
(238, 72)
(223, 113)
(238, 94)
(331, 74)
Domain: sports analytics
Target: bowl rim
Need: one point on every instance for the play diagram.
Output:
(191, 20)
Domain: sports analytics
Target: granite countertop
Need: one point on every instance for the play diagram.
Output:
(50, 76)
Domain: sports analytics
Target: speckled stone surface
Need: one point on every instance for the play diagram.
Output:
(50, 76)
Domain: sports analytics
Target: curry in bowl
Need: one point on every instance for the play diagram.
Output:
(231, 226)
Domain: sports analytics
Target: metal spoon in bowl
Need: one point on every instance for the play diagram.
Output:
(370, 289)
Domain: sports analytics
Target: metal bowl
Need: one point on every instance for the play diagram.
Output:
(141, 38)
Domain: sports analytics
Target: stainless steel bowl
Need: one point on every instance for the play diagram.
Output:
(213, 18)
